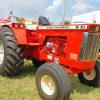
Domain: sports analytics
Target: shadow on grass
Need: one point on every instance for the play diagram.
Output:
(27, 70)
(79, 88)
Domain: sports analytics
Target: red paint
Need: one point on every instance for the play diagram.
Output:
(49, 44)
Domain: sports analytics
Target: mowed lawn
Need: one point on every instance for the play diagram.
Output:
(23, 87)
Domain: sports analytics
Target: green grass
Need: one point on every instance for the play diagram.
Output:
(23, 87)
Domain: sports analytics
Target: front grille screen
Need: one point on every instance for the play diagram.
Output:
(90, 46)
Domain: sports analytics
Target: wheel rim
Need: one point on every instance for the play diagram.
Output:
(90, 75)
(48, 85)
(1, 52)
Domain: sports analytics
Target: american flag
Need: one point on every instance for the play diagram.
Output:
(6, 19)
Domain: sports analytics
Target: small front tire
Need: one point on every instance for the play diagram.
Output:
(52, 82)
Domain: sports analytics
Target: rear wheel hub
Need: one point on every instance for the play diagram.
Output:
(1, 52)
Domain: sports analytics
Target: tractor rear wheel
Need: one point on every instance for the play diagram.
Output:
(91, 78)
(52, 82)
(11, 54)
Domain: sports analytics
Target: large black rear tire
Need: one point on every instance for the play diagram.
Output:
(52, 82)
(91, 78)
(13, 55)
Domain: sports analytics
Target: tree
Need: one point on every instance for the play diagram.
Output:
(20, 19)
(67, 22)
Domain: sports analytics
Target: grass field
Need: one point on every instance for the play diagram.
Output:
(23, 87)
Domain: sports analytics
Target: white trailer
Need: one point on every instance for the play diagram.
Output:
(91, 17)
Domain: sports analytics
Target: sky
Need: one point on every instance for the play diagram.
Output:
(53, 9)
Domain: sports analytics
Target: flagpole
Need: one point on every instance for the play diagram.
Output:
(64, 11)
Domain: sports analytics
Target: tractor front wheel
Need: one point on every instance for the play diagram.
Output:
(52, 82)
(11, 54)
(91, 78)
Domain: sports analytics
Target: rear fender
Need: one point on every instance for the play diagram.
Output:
(19, 33)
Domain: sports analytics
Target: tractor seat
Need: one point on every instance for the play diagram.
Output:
(43, 21)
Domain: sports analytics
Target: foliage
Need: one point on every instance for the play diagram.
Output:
(67, 22)
(20, 19)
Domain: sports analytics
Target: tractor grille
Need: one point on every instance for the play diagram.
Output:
(90, 46)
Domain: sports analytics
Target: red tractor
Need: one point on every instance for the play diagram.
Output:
(58, 50)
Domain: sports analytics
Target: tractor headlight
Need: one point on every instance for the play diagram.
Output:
(16, 25)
